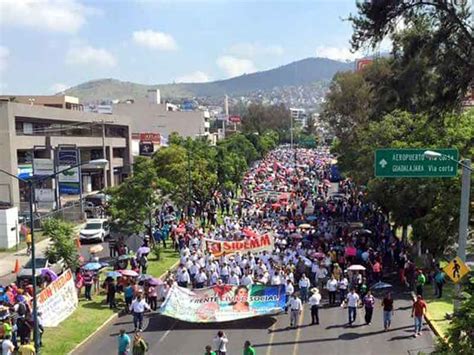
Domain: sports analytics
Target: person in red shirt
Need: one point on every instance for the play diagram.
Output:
(418, 311)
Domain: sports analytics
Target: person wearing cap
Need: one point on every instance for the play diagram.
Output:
(314, 302)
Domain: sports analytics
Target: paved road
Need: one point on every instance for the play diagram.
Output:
(271, 337)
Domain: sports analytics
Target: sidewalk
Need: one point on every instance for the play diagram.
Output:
(8, 259)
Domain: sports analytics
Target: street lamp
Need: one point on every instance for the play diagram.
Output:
(31, 185)
(464, 208)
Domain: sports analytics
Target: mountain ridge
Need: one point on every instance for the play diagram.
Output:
(301, 72)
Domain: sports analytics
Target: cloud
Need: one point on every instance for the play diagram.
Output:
(4, 55)
(235, 66)
(155, 40)
(86, 54)
(66, 16)
(337, 53)
(251, 50)
(58, 87)
(196, 77)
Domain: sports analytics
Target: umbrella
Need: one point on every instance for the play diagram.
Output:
(143, 250)
(130, 273)
(362, 231)
(144, 277)
(356, 268)
(50, 273)
(169, 218)
(304, 226)
(96, 249)
(276, 205)
(180, 230)
(318, 255)
(125, 257)
(92, 266)
(113, 274)
(380, 286)
(155, 282)
(311, 218)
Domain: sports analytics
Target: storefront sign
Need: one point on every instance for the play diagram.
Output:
(43, 167)
(58, 301)
(223, 303)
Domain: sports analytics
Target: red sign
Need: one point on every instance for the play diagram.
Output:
(148, 137)
(254, 244)
(234, 119)
(362, 63)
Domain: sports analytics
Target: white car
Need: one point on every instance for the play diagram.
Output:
(95, 229)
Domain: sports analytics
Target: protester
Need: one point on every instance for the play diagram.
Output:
(418, 311)
(331, 286)
(296, 307)
(369, 302)
(138, 308)
(220, 343)
(420, 282)
(314, 302)
(140, 346)
(440, 280)
(248, 349)
(7, 345)
(123, 343)
(352, 303)
(387, 304)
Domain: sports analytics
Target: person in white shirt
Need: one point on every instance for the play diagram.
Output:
(331, 286)
(296, 307)
(352, 302)
(225, 271)
(234, 279)
(314, 302)
(342, 285)
(138, 307)
(276, 279)
(183, 278)
(7, 345)
(220, 343)
(321, 275)
(214, 277)
(304, 285)
(247, 279)
(201, 279)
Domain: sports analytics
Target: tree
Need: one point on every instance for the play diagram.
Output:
(446, 43)
(460, 334)
(62, 238)
(133, 201)
(260, 118)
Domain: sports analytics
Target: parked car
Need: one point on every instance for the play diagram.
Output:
(95, 229)
(26, 273)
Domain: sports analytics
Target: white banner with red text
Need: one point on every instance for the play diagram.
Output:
(253, 244)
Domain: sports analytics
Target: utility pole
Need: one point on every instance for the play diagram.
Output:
(104, 151)
(189, 182)
(226, 110)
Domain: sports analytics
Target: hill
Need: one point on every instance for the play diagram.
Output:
(298, 73)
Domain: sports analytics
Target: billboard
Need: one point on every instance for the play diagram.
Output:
(222, 303)
(69, 181)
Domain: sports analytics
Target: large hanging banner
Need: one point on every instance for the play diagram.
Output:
(58, 301)
(253, 244)
(223, 303)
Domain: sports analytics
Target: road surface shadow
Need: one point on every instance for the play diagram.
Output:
(158, 322)
(345, 336)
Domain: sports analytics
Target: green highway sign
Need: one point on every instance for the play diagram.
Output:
(397, 163)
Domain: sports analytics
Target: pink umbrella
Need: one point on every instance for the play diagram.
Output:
(130, 273)
(155, 282)
(296, 236)
(180, 230)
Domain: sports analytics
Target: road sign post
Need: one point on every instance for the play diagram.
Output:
(412, 163)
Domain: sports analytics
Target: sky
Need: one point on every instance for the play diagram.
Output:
(47, 46)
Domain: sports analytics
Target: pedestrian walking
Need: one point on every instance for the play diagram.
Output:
(369, 302)
(140, 346)
(420, 282)
(88, 282)
(418, 311)
(123, 343)
(248, 349)
(331, 286)
(220, 343)
(440, 280)
(353, 300)
(314, 302)
(387, 304)
(304, 285)
(138, 307)
(296, 307)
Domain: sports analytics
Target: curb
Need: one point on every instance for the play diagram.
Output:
(434, 328)
(111, 318)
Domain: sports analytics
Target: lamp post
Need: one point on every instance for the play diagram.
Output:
(31, 187)
(464, 209)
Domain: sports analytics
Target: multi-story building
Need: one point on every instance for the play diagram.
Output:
(30, 131)
(57, 101)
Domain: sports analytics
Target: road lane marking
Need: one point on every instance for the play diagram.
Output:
(298, 333)
(167, 332)
(272, 335)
